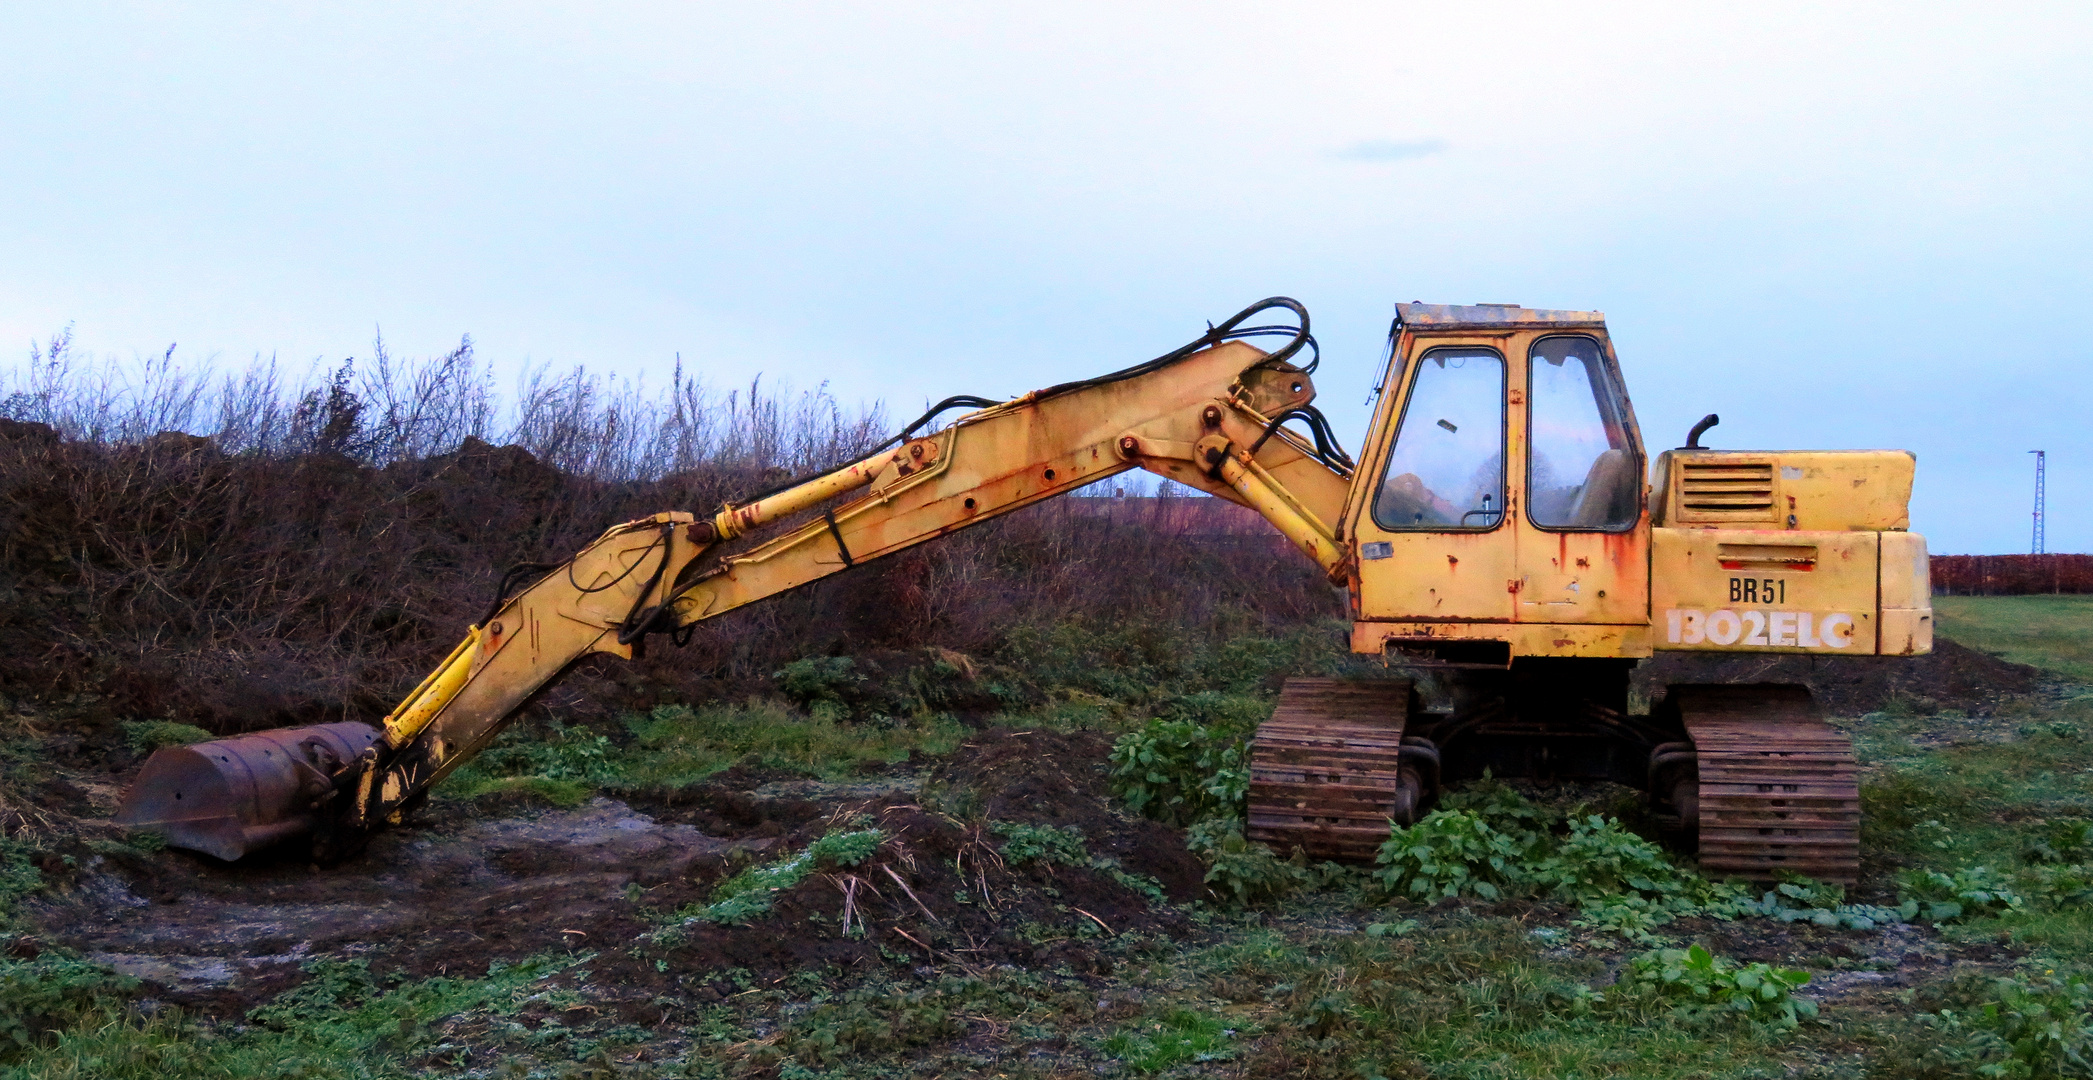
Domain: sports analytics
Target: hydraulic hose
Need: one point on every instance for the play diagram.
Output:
(1231, 329)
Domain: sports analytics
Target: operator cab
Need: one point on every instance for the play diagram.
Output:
(1507, 508)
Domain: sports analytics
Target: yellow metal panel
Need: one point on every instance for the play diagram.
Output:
(1907, 595)
(1754, 590)
(1515, 572)
(1036, 447)
(1907, 631)
(1907, 575)
(1299, 530)
(1437, 576)
(1583, 577)
(1805, 490)
(1525, 639)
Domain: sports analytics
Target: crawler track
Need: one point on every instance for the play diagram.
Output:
(1326, 771)
(1779, 788)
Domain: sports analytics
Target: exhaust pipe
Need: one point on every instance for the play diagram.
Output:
(230, 797)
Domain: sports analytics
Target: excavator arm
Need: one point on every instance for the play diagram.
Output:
(1209, 415)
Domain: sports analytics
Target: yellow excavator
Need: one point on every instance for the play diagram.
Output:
(1496, 531)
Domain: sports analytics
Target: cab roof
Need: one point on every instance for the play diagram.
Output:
(1493, 317)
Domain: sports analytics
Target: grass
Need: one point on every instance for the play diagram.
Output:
(2054, 633)
(676, 745)
(1152, 673)
(1466, 995)
(1335, 980)
(1183, 1036)
(340, 1025)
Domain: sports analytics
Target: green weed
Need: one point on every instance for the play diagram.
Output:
(1062, 846)
(1181, 1037)
(1452, 853)
(1627, 881)
(52, 993)
(1800, 899)
(1141, 663)
(1178, 771)
(677, 745)
(1450, 997)
(1503, 808)
(879, 1020)
(1227, 715)
(335, 984)
(1600, 859)
(343, 1031)
(2069, 840)
(2054, 886)
(146, 736)
(822, 685)
(18, 876)
(1697, 984)
(1967, 893)
(1240, 872)
(562, 766)
(1041, 843)
(747, 895)
(2035, 1029)
(1967, 802)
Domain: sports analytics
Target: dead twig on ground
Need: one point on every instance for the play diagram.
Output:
(1096, 920)
(912, 895)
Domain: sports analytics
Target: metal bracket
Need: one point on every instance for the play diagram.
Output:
(841, 549)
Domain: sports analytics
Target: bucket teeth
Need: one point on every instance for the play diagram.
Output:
(230, 797)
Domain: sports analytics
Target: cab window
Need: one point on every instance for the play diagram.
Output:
(1447, 468)
(1581, 471)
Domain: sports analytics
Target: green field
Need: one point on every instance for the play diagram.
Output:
(2054, 633)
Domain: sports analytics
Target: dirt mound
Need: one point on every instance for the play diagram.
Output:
(1951, 677)
(1048, 778)
(727, 810)
(937, 892)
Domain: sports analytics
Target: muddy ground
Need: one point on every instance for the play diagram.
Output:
(466, 883)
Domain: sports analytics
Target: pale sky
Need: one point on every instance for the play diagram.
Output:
(1852, 225)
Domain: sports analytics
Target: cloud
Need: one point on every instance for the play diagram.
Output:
(1380, 150)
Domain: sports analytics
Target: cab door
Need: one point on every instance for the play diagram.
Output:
(1582, 545)
(1434, 535)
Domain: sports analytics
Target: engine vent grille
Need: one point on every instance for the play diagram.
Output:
(1726, 491)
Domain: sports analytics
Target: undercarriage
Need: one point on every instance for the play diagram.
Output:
(1748, 778)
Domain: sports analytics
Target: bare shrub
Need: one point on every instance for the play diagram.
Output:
(244, 550)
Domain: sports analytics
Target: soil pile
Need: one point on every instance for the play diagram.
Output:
(1056, 779)
(1951, 677)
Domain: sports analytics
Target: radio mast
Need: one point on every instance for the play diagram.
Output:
(2039, 456)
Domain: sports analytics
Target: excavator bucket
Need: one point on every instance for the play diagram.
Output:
(229, 797)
